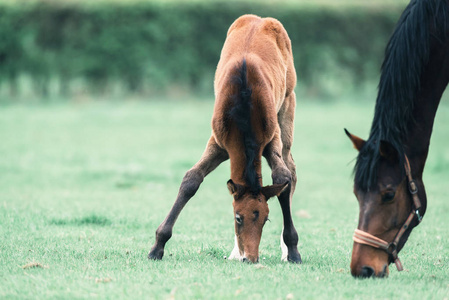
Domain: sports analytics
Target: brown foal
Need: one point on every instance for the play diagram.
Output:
(253, 117)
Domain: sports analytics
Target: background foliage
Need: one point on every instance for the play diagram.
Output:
(150, 48)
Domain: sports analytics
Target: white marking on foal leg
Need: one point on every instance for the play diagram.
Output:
(284, 248)
(235, 254)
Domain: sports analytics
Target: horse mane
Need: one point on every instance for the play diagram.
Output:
(406, 55)
(240, 113)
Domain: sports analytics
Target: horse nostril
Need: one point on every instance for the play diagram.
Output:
(249, 260)
(367, 272)
(384, 272)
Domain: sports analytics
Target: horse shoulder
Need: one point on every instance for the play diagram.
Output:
(242, 22)
(276, 31)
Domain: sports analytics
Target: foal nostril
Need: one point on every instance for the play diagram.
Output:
(367, 272)
(248, 260)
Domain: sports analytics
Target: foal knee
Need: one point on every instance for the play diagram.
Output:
(281, 176)
(191, 183)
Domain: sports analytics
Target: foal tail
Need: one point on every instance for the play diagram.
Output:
(240, 113)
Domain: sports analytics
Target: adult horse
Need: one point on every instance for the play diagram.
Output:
(388, 173)
(253, 117)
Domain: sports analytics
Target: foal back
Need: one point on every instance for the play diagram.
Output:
(266, 47)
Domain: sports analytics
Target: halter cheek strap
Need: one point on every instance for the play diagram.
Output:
(366, 238)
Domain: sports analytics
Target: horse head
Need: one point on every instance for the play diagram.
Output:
(388, 209)
(250, 215)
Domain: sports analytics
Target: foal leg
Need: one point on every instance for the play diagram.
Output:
(283, 168)
(281, 174)
(286, 122)
(211, 158)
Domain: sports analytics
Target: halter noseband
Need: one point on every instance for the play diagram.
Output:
(366, 238)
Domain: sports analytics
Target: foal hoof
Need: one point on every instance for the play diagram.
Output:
(294, 258)
(156, 254)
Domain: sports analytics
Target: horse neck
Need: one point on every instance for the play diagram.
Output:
(238, 163)
(433, 83)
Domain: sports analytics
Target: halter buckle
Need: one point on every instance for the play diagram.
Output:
(418, 215)
(391, 250)
(412, 187)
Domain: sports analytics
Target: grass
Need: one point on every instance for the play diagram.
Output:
(84, 186)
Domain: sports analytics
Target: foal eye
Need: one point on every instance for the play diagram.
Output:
(256, 215)
(238, 219)
(388, 196)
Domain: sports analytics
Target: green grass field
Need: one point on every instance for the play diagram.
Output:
(84, 186)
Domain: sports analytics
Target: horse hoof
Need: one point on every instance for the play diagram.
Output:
(155, 254)
(295, 258)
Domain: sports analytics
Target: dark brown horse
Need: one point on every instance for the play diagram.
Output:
(253, 117)
(388, 173)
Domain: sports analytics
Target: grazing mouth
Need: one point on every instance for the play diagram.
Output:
(368, 272)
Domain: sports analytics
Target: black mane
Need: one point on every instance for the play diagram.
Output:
(240, 113)
(406, 55)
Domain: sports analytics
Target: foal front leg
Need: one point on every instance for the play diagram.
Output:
(211, 158)
(280, 174)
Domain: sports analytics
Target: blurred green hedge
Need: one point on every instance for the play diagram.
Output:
(153, 48)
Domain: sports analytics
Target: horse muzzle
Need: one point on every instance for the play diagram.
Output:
(369, 262)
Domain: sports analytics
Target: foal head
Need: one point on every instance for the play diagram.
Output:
(385, 203)
(250, 215)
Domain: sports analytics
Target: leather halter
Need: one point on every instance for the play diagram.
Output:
(366, 238)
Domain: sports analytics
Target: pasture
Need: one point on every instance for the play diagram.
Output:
(83, 187)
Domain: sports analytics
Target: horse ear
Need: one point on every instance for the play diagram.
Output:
(389, 152)
(356, 141)
(235, 189)
(273, 190)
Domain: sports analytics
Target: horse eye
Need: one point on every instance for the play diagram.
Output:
(238, 219)
(387, 197)
(256, 214)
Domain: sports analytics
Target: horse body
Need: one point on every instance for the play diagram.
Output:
(265, 47)
(414, 76)
(253, 117)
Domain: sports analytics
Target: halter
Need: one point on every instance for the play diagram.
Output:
(366, 238)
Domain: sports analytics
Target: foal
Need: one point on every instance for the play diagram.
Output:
(253, 117)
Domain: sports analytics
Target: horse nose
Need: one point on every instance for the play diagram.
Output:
(250, 260)
(384, 272)
(367, 272)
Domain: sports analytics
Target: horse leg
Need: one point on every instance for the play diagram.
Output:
(286, 121)
(211, 158)
(283, 167)
(281, 174)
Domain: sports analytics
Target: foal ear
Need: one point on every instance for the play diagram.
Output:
(389, 152)
(273, 190)
(356, 141)
(235, 189)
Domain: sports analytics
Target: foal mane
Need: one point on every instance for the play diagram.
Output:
(406, 55)
(240, 113)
